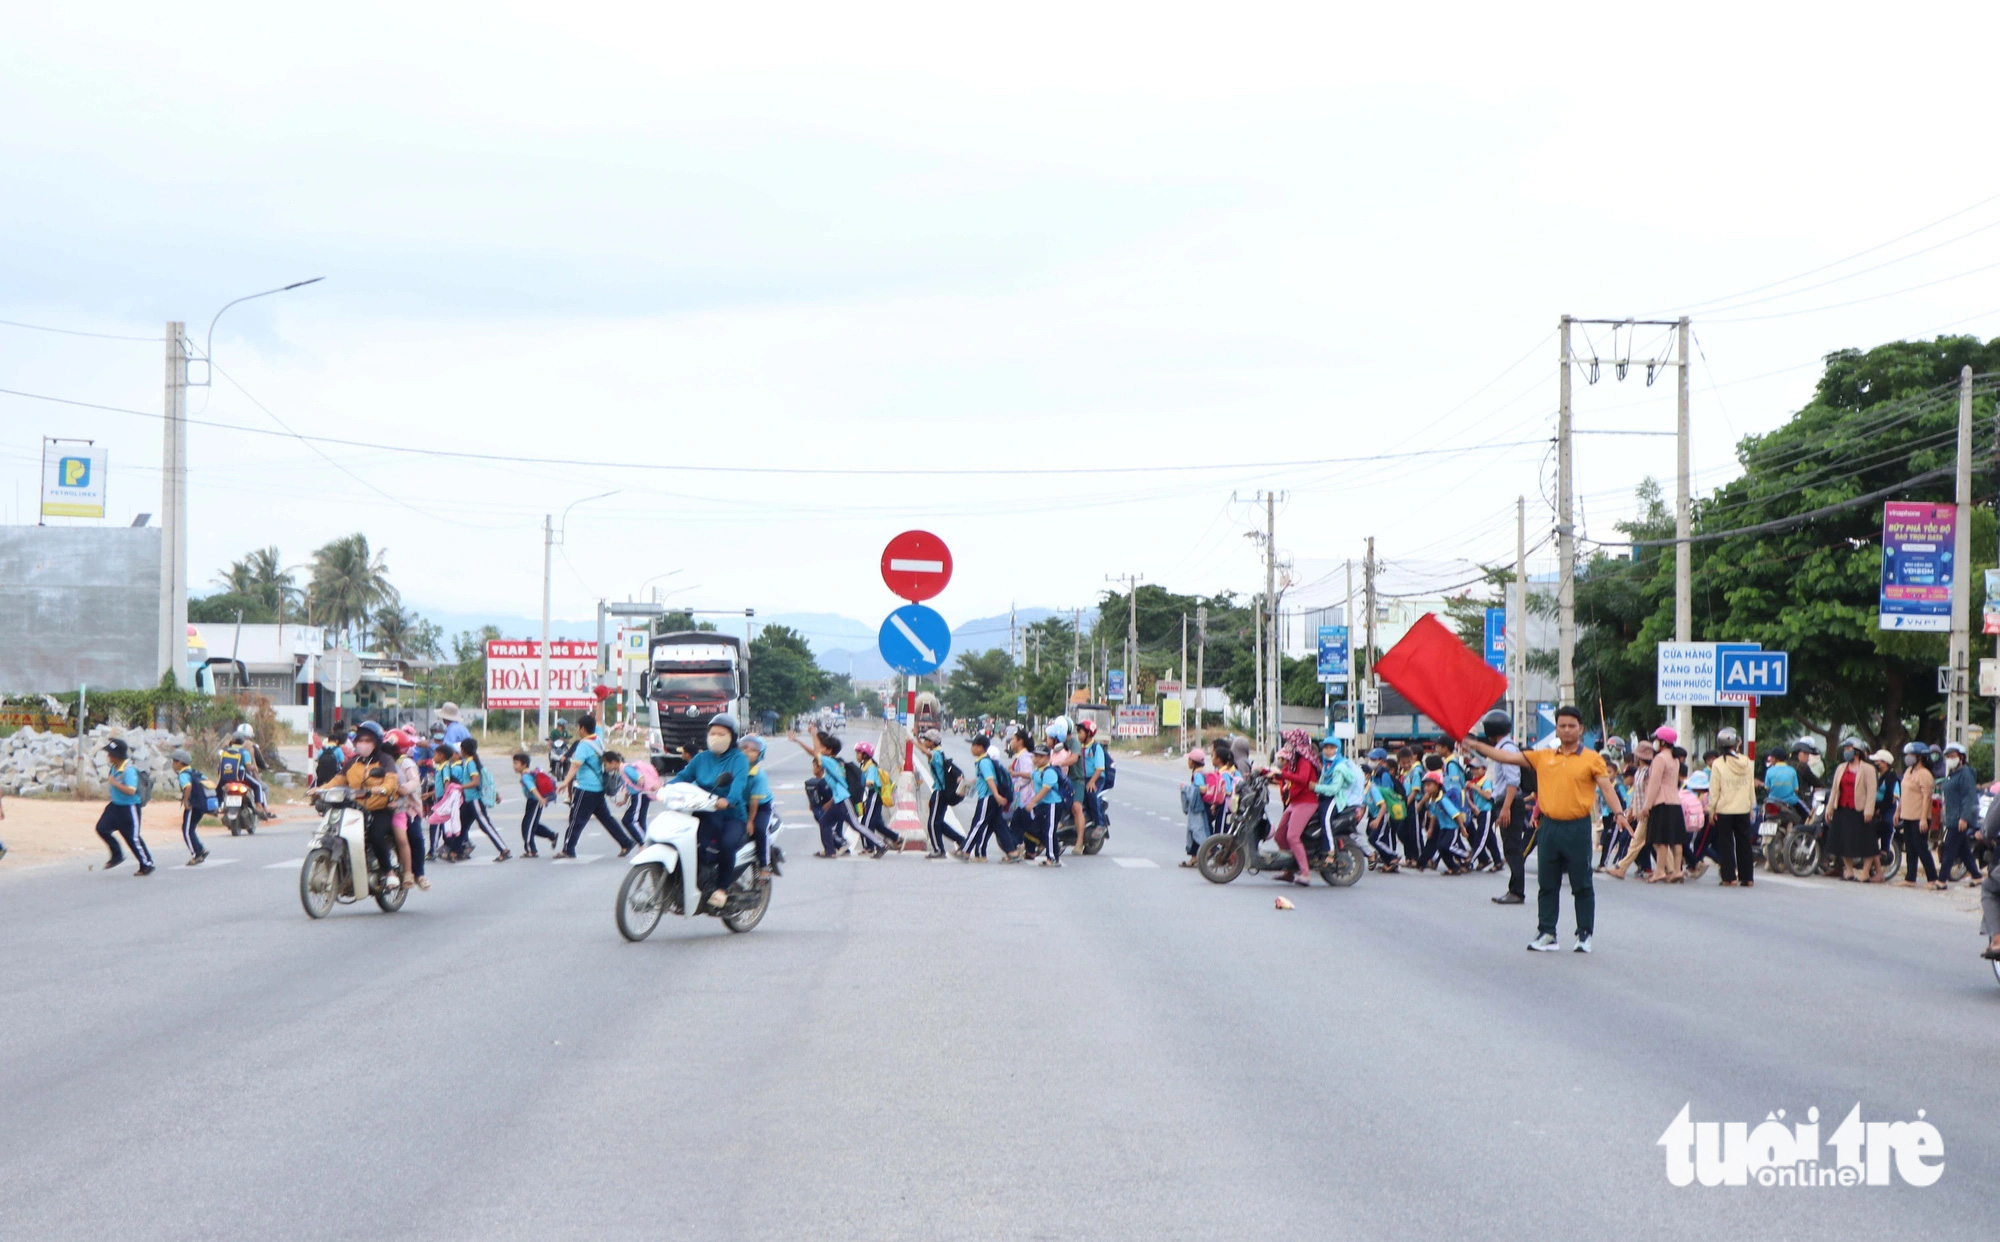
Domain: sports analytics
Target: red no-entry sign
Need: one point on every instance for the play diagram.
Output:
(916, 565)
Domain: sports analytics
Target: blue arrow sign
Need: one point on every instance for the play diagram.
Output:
(914, 639)
(1753, 672)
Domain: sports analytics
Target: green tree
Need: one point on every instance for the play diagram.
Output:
(261, 575)
(784, 677)
(222, 608)
(402, 633)
(981, 684)
(349, 582)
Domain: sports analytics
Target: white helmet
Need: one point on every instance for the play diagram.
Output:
(244, 731)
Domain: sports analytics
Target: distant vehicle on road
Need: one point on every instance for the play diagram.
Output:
(693, 676)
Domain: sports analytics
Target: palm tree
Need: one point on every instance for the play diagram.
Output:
(262, 576)
(397, 631)
(349, 582)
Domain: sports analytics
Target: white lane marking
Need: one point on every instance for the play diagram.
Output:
(1768, 878)
(213, 862)
(296, 862)
(916, 567)
(1135, 862)
(578, 861)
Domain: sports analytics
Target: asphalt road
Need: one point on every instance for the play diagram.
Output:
(919, 1049)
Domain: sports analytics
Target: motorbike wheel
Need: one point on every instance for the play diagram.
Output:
(1892, 859)
(1996, 971)
(1954, 873)
(1093, 840)
(641, 900)
(746, 909)
(1221, 858)
(1345, 865)
(235, 823)
(316, 880)
(391, 899)
(1775, 852)
(1802, 853)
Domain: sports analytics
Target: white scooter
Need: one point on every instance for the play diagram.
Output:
(337, 868)
(664, 875)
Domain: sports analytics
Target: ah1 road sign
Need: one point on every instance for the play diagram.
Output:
(914, 640)
(1761, 673)
(916, 565)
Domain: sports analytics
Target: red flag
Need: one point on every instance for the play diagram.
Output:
(1441, 677)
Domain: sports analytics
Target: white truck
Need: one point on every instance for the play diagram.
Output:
(693, 676)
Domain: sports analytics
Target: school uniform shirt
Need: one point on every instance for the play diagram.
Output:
(528, 789)
(588, 759)
(873, 777)
(1341, 783)
(937, 768)
(986, 776)
(185, 777)
(1781, 782)
(489, 790)
(1447, 809)
(1093, 760)
(835, 773)
(128, 772)
(1044, 786)
(758, 787)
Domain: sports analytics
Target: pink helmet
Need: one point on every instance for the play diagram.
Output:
(1667, 734)
(1196, 755)
(864, 750)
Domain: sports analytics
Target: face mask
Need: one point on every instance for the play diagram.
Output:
(1950, 763)
(1909, 761)
(717, 745)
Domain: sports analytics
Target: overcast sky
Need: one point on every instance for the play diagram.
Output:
(1053, 237)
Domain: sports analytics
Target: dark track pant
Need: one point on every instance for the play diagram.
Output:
(1916, 845)
(584, 806)
(1736, 847)
(1957, 847)
(531, 826)
(1514, 846)
(939, 827)
(720, 839)
(123, 821)
(190, 837)
(987, 819)
(1407, 841)
(1563, 846)
(764, 836)
(472, 813)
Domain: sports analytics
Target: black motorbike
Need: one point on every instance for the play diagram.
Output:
(1229, 853)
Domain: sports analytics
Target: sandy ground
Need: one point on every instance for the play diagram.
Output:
(40, 832)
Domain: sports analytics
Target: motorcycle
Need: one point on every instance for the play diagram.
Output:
(239, 808)
(337, 868)
(1234, 850)
(667, 876)
(559, 749)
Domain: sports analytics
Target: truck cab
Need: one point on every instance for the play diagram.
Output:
(691, 678)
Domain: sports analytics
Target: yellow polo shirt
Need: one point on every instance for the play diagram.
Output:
(1566, 785)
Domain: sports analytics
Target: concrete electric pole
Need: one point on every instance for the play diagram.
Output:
(173, 511)
(1517, 624)
(1958, 707)
(1565, 540)
(1368, 647)
(548, 552)
(1683, 523)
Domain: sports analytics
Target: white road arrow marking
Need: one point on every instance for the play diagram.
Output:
(903, 628)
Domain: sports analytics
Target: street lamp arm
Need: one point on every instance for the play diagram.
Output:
(562, 527)
(208, 345)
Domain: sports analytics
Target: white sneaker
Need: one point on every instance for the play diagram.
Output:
(1544, 944)
(1582, 945)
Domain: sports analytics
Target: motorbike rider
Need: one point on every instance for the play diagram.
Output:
(1781, 786)
(1091, 764)
(1339, 787)
(558, 749)
(241, 760)
(723, 770)
(372, 775)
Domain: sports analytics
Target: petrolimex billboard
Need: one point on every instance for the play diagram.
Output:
(73, 482)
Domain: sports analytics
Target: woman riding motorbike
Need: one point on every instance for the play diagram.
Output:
(1297, 772)
(724, 771)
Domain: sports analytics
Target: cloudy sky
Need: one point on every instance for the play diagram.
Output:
(1154, 256)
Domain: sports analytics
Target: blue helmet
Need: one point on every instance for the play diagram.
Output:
(1378, 754)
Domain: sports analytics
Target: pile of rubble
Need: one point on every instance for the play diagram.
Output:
(33, 762)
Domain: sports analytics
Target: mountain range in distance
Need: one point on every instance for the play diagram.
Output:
(840, 644)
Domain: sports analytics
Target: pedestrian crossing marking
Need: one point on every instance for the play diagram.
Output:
(1135, 862)
(213, 862)
(578, 861)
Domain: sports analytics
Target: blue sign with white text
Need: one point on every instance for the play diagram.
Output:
(1757, 673)
(914, 640)
(1496, 638)
(1333, 653)
(1115, 685)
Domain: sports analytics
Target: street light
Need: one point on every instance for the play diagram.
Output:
(208, 345)
(548, 552)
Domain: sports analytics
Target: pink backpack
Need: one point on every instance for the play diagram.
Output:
(1213, 791)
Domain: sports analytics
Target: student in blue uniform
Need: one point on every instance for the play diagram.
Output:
(194, 805)
(120, 817)
(930, 748)
(757, 804)
(482, 793)
(585, 780)
(992, 789)
(1042, 807)
(533, 804)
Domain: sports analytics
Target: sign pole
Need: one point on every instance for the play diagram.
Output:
(910, 731)
(1750, 729)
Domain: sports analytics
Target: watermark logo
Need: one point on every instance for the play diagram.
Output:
(1857, 1153)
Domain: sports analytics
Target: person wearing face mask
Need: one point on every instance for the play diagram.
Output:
(724, 771)
(1850, 836)
(1913, 815)
(372, 775)
(1960, 791)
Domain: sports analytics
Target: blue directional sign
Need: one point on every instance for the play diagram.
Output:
(1761, 673)
(1496, 639)
(1115, 685)
(1020, 705)
(914, 640)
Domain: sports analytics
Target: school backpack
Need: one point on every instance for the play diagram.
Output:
(145, 785)
(1001, 786)
(1107, 776)
(200, 796)
(953, 792)
(230, 764)
(545, 784)
(857, 784)
(1392, 798)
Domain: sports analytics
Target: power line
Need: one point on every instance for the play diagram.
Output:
(103, 336)
(1873, 297)
(1798, 518)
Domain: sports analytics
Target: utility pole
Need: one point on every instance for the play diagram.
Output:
(1683, 519)
(173, 511)
(1517, 650)
(1201, 666)
(1271, 602)
(1958, 712)
(1183, 696)
(1368, 648)
(1347, 620)
(1257, 699)
(1565, 540)
(548, 551)
(1131, 582)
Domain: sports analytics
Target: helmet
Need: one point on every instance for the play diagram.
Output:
(370, 728)
(1058, 728)
(1086, 726)
(403, 738)
(1330, 740)
(1378, 755)
(1197, 755)
(1434, 777)
(244, 731)
(1953, 748)
(1614, 742)
(1916, 748)
(1854, 744)
(1698, 781)
(437, 728)
(1727, 738)
(864, 750)
(181, 756)
(1667, 734)
(727, 720)
(1496, 724)
(1804, 744)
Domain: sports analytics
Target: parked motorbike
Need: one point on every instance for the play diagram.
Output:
(667, 876)
(1229, 853)
(337, 867)
(239, 808)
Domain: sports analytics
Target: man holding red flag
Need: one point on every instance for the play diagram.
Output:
(1567, 781)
